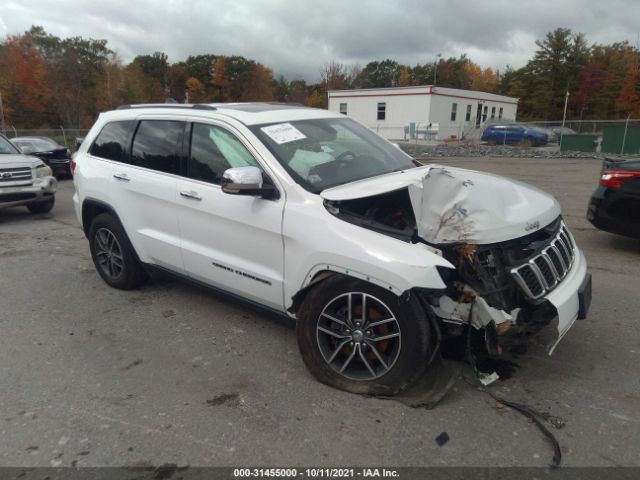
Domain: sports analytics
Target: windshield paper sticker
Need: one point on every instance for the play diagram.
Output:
(283, 133)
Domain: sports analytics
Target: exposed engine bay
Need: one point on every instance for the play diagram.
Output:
(482, 291)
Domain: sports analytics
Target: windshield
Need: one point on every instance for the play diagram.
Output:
(37, 144)
(327, 152)
(7, 148)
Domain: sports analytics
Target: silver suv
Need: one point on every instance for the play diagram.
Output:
(312, 215)
(24, 180)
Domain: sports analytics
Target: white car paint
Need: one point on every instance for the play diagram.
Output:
(38, 186)
(315, 241)
(267, 250)
(496, 209)
(565, 299)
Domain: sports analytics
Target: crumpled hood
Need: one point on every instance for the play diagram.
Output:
(453, 205)
(17, 161)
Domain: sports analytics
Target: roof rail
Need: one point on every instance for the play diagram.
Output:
(294, 104)
(196, 106)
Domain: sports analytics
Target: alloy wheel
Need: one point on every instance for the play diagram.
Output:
(109, 253)
(359, 336)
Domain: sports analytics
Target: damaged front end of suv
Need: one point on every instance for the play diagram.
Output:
(514, 268)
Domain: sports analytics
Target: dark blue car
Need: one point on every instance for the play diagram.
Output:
(513, 134)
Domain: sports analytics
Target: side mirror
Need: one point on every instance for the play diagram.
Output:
(26, 150)
(246, 181)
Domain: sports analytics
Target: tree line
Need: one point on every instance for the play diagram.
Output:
(47, 81)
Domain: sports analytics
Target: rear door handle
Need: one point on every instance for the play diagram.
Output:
(191, 195)
(121, 176)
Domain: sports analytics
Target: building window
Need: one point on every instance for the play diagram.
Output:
(467, 117)
(485, 111)
(454, 109)
(382, 111)
(343, 108)
(500, 113)
(493, 113)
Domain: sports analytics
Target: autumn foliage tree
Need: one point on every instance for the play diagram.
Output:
(404, 79)
(25, 83)
(316, 100)
(196, 91)
(628, 102)
(47, 81)
(136, 87)
(239, 79)
(481, 79)
(592, 78)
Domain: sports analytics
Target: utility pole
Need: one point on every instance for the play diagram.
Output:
(435, 69)
(109, 86)
(2, 127)
(566, 100)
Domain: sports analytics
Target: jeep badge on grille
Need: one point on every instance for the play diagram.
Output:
(532, 226)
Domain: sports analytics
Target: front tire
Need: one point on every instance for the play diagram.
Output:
(42, 207)
(113, 255)
(360, 338)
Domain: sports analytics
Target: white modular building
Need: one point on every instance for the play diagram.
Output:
(427, 111)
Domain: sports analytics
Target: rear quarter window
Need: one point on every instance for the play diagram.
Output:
(112, 143)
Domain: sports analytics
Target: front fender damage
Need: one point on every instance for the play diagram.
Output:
(501, 329)
(486, 227)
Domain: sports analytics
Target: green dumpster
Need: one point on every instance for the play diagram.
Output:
(612, 138)
(578, 143)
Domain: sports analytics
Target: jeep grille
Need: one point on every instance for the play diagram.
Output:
(544, 271)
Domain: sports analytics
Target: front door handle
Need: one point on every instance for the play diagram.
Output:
(122, 176)
(191, 195)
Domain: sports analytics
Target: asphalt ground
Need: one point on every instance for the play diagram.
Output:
(172, 373)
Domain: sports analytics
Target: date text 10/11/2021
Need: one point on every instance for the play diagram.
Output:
(315, 473)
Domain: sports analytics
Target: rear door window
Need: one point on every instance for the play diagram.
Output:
(156, 145)
(112, 142)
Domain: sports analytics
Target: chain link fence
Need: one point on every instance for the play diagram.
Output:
(420, 131)
(415, 131)
(588, 126)
(68, 137)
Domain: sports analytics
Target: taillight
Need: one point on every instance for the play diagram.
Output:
(73, 166)
(614, 178)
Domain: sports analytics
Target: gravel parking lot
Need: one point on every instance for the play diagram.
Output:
(173, 373)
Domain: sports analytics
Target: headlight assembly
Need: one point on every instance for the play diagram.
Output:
(43, 171)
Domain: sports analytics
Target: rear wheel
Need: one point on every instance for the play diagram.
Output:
(358, 337)
(113, 254)
(42, 207)
(492, 141)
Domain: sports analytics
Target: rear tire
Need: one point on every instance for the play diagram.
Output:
(381, 353)
(113, 255)
(492, 141)
(42, 207)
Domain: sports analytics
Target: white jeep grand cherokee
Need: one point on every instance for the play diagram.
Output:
(24, 180)
(309, 213)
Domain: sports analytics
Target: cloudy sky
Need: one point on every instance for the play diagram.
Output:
(296, 37)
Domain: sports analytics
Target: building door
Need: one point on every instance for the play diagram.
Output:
(478, 115)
